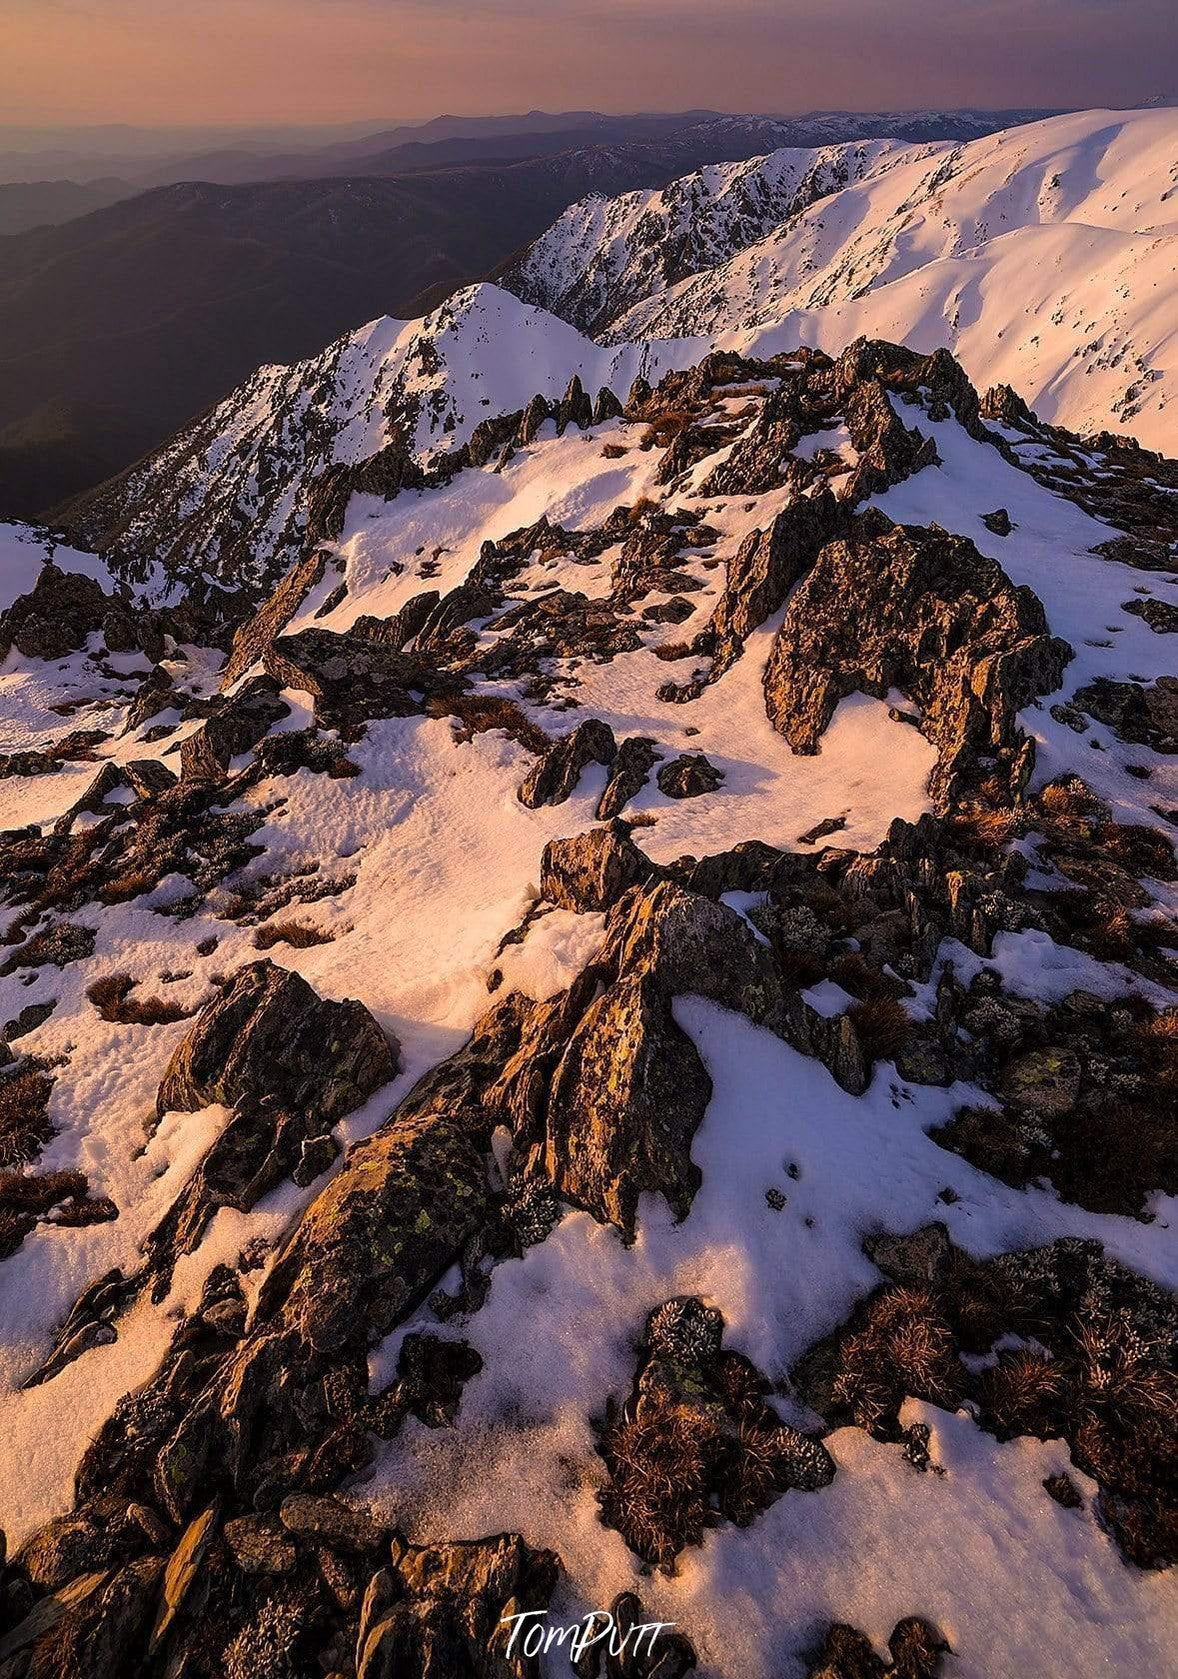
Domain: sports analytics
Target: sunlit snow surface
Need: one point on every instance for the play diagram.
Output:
(1044, 256)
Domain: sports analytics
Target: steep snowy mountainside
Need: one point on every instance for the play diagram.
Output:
(1047, 255)
(603, 255)
(228, 495)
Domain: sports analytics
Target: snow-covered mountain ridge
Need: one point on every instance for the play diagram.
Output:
(590, 988)
(228, 496)
(604, 255)
(1044, 256)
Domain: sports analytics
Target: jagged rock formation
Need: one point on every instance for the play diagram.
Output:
(591, 871)
(925, 613)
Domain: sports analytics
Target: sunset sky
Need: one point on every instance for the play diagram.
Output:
(259, 61)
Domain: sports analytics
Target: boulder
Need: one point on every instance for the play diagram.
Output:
(329, 1521)
(270, 1038)
(629, 773)
(56, 616)
(555, 777)
(260, 1545)
(591, 871)
(689, 776)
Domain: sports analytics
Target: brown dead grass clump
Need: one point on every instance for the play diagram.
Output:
(660, 1471)
(666, 427)
(111, 996)
(25, 1199)
(882, 1025)
(295, 933)
(672, 650)
(479, 713)
(1112, 1158)
(127, 886)
(1024, 1393)
(641, 509)
(24, 1119)
(1124, 1432)
(905, 1348)
(985, 830)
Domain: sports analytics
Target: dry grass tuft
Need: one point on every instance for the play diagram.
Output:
(657, 1498)
(882, 1025)
(295, 933)
(1024, 1393)
(479, 713)
(905, 1347)
(127, 886)
(24, 1119)
(666, 427)
(111, 996)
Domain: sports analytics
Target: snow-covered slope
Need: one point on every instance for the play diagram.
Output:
(604, 255)
(228, 495)
(1044, 255)
(708, 1060)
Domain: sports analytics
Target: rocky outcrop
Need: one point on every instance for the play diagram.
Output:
(259, 631)
(591, 871)
(766, 567)
(268, 1038)
(438, 1612)
(350, 678)
(56, 616)
(924, 612)
(235, 724)
(888, 452)
(938, 379)
(385, 474)
(1144, 715)
(629, 773)
(689, 776)
(627, 1090)
(556, 775)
